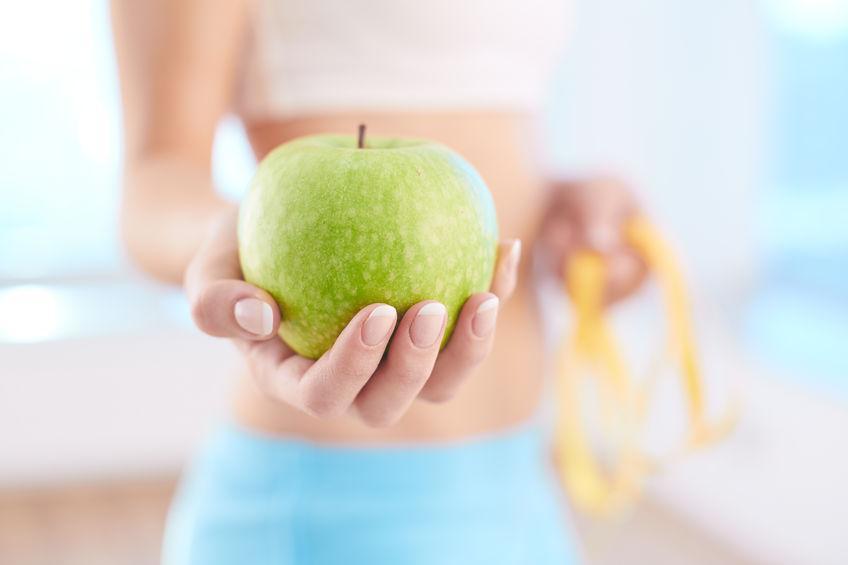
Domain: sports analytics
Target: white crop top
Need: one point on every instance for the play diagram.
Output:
(310, 56)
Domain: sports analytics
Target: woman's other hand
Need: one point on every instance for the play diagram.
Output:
(590, 215)
(354, 376)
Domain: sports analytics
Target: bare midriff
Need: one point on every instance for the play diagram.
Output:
(505, 390)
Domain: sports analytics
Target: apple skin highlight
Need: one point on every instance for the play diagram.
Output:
(328, 228)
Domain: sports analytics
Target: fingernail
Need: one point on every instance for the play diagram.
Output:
(514, 254)
(254, 316)
(485, 316)
(601, 237)
(427, 324)
(378, 325)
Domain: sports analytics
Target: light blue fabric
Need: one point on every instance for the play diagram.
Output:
(256, 500)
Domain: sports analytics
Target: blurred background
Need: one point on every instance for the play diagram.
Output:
(731, 114)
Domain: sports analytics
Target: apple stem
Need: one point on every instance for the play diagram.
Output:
(361, 143)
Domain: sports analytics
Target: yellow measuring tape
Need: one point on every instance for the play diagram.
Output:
(606, 482)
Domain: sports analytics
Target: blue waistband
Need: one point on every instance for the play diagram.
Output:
(490, 459)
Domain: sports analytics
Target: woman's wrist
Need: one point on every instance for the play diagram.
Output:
(167, 210)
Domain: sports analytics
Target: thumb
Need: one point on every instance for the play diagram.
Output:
(222, 304)
(234, 308)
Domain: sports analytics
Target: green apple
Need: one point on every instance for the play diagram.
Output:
(330, 226)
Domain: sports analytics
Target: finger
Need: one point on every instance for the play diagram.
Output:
(556, 242)
(626, 271)
(601, 228)
(506, 269)
(330, 385)
(415, 346)
(606, 204)
(268, 363)
(601, 235)
(221, 303)
(275, 368)
(469, 345)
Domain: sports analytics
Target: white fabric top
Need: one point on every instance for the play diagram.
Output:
(309, 56)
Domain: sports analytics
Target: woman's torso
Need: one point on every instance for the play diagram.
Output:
(505, 390)
(468, 74)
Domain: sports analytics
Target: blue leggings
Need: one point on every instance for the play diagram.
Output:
(254, 500)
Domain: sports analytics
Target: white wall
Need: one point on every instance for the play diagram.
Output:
(130, 395)
(671, 94)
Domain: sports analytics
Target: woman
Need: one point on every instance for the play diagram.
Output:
(418, 456)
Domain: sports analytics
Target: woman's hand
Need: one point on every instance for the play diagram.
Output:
(353, 376)
(590, 215)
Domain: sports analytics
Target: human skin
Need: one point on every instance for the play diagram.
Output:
(178, 63)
